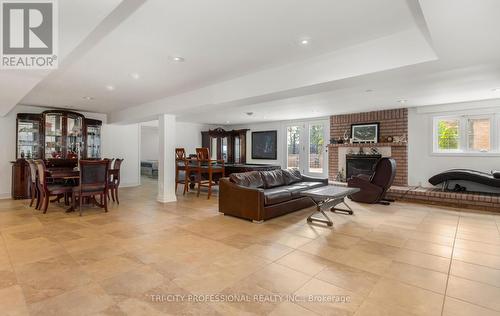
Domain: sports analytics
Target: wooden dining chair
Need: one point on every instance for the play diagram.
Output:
(35, 195)
(93, 182)
(110, 162)
(47, 190)
(208, 167)
(180, 166)
(114, 180)
(187, 170)
(110, 166)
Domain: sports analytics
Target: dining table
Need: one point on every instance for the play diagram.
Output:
(71, 177)
(64, 173)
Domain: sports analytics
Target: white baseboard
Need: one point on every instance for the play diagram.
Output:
(4, 196)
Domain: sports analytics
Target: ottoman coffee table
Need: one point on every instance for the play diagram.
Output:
(328, 197)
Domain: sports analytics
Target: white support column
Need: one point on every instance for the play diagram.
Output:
(166, 159)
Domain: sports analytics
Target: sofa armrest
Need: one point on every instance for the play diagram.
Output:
(314, 179)
(241, 201)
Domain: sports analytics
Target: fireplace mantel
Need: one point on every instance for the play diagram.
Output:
(393, 123)
(369, 145)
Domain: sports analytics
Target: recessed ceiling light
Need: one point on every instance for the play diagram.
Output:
(249, 113)
(227, 122)
(88, 98)
(369, 90)
(135, 75)
(402, 101)
(178, 59)
(110, 87)
(305, 41)
(496, 90)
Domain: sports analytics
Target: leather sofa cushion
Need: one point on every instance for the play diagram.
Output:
(251, 179)
(295, 189)
(310, 185)
(276, 195)
(273, 178)
(292, 176)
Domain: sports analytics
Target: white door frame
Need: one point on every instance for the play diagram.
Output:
(304, 145)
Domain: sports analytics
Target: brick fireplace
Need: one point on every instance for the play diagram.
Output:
(392, 123)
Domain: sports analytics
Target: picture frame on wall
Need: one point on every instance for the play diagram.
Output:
(265, 145)
(365, 133)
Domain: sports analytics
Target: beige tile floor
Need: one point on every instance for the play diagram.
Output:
(403, 259)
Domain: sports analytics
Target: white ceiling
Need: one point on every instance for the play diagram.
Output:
(219, 39)
(422, 85)
(245, 56)
(77, 19)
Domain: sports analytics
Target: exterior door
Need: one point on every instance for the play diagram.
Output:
(307, 147)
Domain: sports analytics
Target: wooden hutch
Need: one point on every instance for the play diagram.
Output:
(57, 137)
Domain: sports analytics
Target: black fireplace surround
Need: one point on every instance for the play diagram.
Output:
(360, 164)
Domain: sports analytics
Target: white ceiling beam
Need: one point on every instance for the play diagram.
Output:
(397, 50)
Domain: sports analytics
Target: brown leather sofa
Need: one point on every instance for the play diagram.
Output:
(261, 195)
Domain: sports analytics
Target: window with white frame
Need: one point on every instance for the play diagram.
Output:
(466, 134)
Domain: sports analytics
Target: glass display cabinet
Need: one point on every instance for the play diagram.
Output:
(53, 136)
(63, 134)
(74, 136)
(29, 127)
(225, 145)
(58, 137)
(93, 139)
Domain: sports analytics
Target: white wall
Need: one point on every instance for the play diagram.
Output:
(422, 163)
(149, 143)
(189, 135)
(8, 148)
(123, 141)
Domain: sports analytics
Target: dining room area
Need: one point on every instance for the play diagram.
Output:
(59, 163)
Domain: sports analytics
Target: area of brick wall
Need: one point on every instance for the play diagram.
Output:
(392, 123)
(460, 200)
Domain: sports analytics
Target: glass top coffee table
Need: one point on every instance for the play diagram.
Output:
(328, 197)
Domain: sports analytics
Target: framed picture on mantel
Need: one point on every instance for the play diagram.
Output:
(264, 145)
(365, 133)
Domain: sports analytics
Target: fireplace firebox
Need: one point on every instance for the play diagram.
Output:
(360, 164)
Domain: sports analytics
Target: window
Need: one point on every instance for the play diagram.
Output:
(465, 134)
(448, 134)
(478, 130)
(293, 146)
(316, 142)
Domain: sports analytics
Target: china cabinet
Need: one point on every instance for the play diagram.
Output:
(58, 137)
